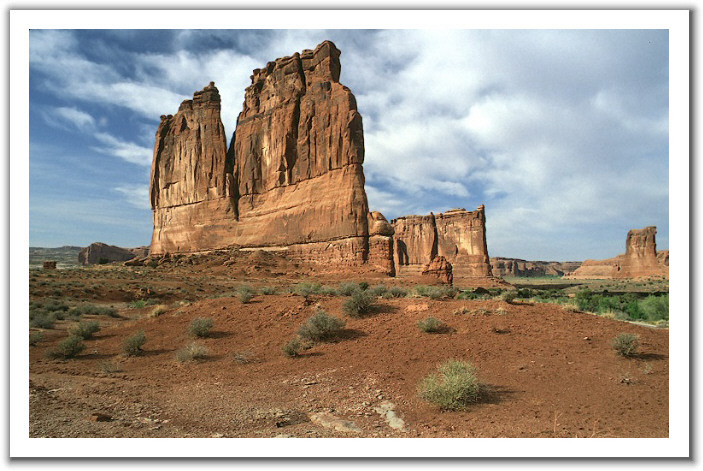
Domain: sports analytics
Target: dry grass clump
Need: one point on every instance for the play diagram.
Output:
(201, 326)
(158, 310)
(626, 345)
(132, 345)
(432, 325)
(192, 352)
(453, 387)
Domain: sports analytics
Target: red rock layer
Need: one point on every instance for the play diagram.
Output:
(640, 260)
(439, 268)
(458, 235)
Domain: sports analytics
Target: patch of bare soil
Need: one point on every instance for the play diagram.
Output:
(548, 372)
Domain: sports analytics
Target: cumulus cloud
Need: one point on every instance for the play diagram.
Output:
(136, 195)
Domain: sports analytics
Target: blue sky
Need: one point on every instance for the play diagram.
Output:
(562, 134)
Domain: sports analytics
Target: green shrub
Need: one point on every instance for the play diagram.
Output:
(68, 348)
(363, 286)
(378, 290)
(293, 348)
(398, 292)
(358, 304)
(138, 304)
(436, 292)
(307, 289)
(200, 327)
(431, 325)
(321, 326)
(90, 309)
(348, 288)
(524, 293)
(634, 310)
(132, 345)
(626, 344)
(244, 293)
(268, 290)
(35, 338)
(192, 352)
(85, 330)
(42, 320)
(329, 291)
(508, 296)
(656, 307)
(453, 387)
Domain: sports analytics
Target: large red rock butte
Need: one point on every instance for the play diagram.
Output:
(640, 260)
(292, 179)
(457, 235)
(502, 266)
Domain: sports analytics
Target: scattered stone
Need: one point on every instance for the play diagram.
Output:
(387, 410)
(327, 420)
(100, 417)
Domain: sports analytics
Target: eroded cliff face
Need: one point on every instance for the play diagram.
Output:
(292, 177)
(458, 235)
(640, 260)
(98, 252)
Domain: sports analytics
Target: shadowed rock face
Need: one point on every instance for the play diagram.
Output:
(640, 259)
(292, 176)
(458, 235)
(97, 252)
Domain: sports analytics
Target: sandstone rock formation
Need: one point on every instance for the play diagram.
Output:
(640, 260)
(98, 252)
(291, 179)
(458, 235)
(501, 266)
(439, 268)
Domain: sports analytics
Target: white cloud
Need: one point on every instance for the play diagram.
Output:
(73, 118)
(128, 151)
(136, 195)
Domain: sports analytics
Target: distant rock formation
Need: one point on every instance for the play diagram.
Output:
(98, 252)
(640, 260)
(292, 177)
(49, 265)
(502, 267)
(458, 235)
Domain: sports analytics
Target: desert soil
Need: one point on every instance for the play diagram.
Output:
(548, 372)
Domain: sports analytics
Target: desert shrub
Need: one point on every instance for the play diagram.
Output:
(423, 290)
(358, 304)
(431, 325)
(347, 288)
(307, 289)
(109, 367)
(656, 307)
(132, 345)
(91, 309)
(55, 306)
(244, 356)
(267, 290)
(453, 387)
(626, 344)
(508, 296)
(461, 311)
(67, 348)
(192, 352)
(200, 327)
(244, 293)
(363, 286)
(523, 293)
(501, 312)
(378, 290)
(85, 330)
(42, 320)
(35, 338)
(436, 292)
(138, 304)
(398, 292)
(586, 300)
(329, 291)
(468, 295)
(321, 326)
(293, 347)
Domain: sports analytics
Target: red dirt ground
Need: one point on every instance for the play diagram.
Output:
(550, 373)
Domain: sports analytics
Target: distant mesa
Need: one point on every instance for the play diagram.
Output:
(503, 267)
(98, 253)
(640, 260)
(291, 180)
